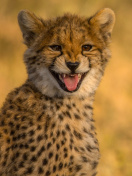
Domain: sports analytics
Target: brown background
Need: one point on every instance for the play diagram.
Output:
(113, 105)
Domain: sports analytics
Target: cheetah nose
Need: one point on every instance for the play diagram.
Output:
(72, 66)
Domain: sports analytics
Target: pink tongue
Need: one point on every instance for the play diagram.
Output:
(71, 82)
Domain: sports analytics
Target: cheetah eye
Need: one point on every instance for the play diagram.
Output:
(56, 47)
(86, 47)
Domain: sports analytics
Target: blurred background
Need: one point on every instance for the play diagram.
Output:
(113, 105)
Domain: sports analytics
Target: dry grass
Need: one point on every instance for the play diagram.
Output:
(113, 105)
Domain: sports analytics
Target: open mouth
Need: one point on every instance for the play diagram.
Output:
(69, 82)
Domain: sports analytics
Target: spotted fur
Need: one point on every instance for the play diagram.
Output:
(45, 130)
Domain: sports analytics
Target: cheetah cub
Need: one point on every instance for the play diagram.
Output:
(46, 125)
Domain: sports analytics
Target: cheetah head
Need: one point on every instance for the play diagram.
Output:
(67, 55)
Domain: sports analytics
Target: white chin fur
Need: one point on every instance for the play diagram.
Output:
(47, 85)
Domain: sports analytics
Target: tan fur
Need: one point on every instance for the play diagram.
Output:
(45, 130)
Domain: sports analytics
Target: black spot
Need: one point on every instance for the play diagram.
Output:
(54, 168)
(94, 174)
(6, 156)
(40, 170)
(63, 132)
(40, 116)
(76, 149)
(11, 107)
(78, 167)
(56, 157)
(63, 141)
(94, 164)
(4, 163)
(49, 145)
(24, 127)
(31, 123)
(14, 138)
(41, 150)
(88, 107)
(53, 140)
(45, 161)
(85, 114)
(19, 100)
(44, 106)
(92, 127)
(84, 159)
(68, 114)
(39, 127)
(23, 118)
(31, 133)
(77, 135)
(33, 148)
(53, 125)
(58, 133)
(8, 140)
(60, 165)
(21, 164)
(25, 156)
(73, 105)
(17, 127)
(70, 169)
(91, 134)
(11, 124)
(46, 136)
(60, 117)
(71, 157)
(34, 158)
(48, 118)
(50, 155)
(29, 170)
(65, 165)
(26, 146)
(65, 155)
(82, 149)
(71, 140)
(51, 134)
(65, 149)
(23, 135)
(89, 148)
(57, 107)
(68, 127)
(57, 146)
(21, 146)
(39, 138)
(5, 131)
(70, 146)
(68, 106)
(31, 140)
(77, 116)
(47, 173)
(85, 130)
(17, 154)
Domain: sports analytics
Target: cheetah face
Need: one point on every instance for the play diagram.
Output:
(68, 74)
(66, 55)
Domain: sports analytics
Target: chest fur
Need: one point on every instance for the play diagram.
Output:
(55, 134)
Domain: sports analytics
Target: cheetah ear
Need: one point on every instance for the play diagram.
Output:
(30, 25)
(104, 21)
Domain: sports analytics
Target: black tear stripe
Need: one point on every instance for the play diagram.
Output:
(90, 65)
(54, 60)
(53, 63)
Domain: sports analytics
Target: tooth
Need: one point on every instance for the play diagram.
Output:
(79, 76)
(64, 75)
